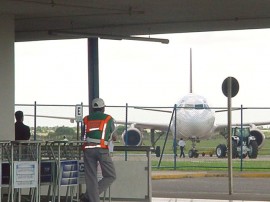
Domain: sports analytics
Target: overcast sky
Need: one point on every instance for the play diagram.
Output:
(145, 73)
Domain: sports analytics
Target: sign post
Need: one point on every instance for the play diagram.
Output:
(230, 88)
(79, 112)
(79, 118)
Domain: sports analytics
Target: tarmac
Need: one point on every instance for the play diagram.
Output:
(195, 200)
(174, 174)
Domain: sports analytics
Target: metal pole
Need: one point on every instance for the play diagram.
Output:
(82, 124)
(230, 136)
(80, 137)
(174, 145)
(241, 168)
(168, 130)
(35, 121)
(39, 173)
(126, 135)
(78, 130)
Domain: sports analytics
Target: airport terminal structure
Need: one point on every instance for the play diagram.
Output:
(23, 20)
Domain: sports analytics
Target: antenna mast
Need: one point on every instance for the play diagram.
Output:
(190, 69)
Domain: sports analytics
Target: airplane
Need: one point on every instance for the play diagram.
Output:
(194, 121)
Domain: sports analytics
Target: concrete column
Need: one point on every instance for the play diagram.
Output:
(7, 77)
(93, 71)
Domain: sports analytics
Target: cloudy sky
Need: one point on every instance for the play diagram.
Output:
(144, 73)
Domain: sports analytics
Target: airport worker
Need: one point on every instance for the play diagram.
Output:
(99, 129)
(182, 145)
(22, 132)
(65, 138)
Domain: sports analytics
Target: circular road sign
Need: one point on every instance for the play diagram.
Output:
(234, 86)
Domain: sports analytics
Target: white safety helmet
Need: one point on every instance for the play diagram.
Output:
(98, 103)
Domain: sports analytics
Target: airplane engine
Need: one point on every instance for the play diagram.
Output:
(133, 137)
(260, 137)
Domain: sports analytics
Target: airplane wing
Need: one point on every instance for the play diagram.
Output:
(222, 127)
(140, 125)
(161, 127)
(71, 119)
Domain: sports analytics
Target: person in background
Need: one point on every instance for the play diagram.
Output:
(99, 128)
(111, 146)
(22, 132)
(182, 145)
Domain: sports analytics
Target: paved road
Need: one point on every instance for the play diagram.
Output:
(250, 189)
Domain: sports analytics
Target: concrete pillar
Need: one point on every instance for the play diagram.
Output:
(93, 71)
(7, 77)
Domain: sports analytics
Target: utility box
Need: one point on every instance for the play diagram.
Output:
(133, 174)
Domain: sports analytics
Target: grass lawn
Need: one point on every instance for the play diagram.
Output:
(200, 164)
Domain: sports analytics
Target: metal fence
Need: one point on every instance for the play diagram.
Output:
(206, 160)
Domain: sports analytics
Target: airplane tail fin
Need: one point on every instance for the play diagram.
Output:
(190, 69)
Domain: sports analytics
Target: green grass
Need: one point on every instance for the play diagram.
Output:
(200, 164)
(202, 146)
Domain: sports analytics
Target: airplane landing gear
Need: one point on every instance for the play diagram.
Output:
(193, 152)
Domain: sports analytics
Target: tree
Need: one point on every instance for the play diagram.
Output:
(60, 132)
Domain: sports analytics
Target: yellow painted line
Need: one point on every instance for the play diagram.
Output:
(266, 175)
(192, 175)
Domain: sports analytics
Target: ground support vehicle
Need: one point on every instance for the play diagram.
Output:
(247, 147)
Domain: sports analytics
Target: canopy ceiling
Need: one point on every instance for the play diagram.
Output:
(55, 19)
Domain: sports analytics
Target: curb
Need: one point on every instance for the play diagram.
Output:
(172, 175)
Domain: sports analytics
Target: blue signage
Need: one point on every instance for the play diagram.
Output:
(69, 173)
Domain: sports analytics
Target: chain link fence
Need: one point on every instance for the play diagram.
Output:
(53, 116)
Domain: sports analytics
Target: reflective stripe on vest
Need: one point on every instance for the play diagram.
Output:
(93, 125)
(96, 141)
(90, 147)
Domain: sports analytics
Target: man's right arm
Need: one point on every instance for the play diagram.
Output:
(113, 135)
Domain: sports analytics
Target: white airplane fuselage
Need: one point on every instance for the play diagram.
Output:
(194, 119)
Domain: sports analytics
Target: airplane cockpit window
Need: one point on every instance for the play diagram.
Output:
(199, 106)
(193, 102)
(189, 106)
(180, 105)
(192, 106)
(206, 106)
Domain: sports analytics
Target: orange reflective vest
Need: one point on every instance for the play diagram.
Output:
(95, 130)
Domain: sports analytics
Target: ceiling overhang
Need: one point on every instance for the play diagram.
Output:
(37, 19)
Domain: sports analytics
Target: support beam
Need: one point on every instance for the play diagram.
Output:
(7, 77)
(93, 71)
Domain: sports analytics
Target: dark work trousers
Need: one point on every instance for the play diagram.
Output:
(94, 187)
(182, 152)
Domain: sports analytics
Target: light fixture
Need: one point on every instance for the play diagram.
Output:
(107, 36)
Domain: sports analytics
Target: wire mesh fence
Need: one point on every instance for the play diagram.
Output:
(53, 116)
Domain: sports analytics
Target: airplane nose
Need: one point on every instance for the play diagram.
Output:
(194, 123)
